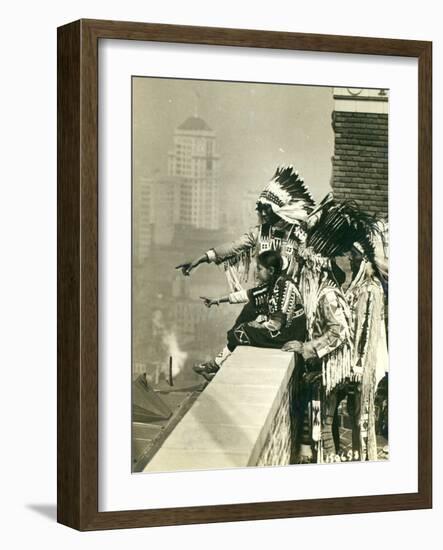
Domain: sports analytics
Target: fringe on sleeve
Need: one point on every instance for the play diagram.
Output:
(237, 270)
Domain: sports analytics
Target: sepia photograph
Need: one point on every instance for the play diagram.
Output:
(259, 274)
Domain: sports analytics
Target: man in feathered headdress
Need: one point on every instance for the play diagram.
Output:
(328, 352)
(282, 207)
(366, 299)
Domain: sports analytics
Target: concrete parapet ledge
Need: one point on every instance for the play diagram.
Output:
(229, 423)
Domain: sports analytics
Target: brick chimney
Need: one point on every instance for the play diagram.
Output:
(360, 161)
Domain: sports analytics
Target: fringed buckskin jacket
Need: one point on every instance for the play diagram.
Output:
(237, 255)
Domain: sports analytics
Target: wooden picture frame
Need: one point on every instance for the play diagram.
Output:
(78, 274)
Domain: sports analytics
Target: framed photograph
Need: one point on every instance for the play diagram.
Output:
(244, 274)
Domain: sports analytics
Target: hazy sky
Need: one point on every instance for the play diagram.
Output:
(258, 127)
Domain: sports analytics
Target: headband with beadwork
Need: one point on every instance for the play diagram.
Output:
(288, 195)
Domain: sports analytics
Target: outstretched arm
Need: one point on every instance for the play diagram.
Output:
(213, 301)
(188, 266)
(221, 253)
(225, 251)
(239, 297)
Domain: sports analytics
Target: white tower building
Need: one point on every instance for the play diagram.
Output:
(194, 159)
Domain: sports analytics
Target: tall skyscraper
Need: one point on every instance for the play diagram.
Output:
(187, 196)
(194, 159)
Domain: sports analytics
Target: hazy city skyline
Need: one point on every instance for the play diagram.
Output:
(257, 126)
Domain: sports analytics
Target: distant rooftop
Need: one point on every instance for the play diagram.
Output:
(194, 123)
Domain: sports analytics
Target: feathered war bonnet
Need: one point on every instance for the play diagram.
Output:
(288, 196)
(334, 228)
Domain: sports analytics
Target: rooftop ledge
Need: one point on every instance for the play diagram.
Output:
(242, 418)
